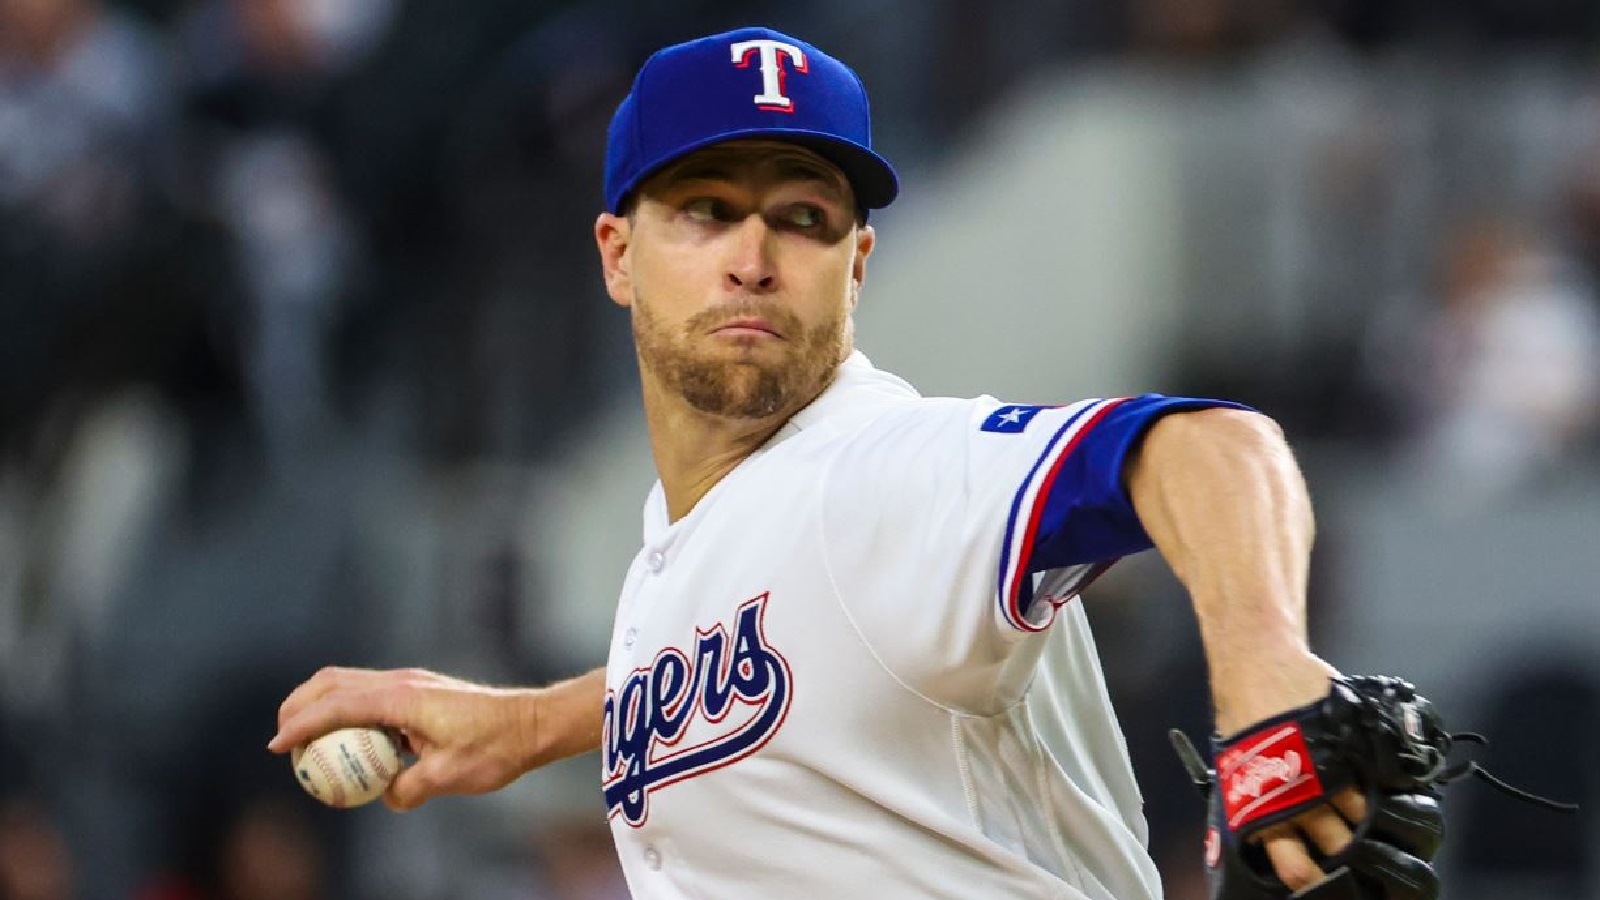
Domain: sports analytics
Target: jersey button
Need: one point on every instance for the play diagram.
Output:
(656, 561)
(652, 858)
(628, 637)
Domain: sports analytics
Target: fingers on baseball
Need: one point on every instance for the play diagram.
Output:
(304, 695)
(333, 698)
(415, 785)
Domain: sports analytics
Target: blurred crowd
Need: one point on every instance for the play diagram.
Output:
(292, 291)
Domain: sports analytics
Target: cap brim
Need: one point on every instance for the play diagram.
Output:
(871, 177)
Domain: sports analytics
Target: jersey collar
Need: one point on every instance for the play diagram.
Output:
(859, 390)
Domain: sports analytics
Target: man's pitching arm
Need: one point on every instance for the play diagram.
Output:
(1222, 498)
(467, 738)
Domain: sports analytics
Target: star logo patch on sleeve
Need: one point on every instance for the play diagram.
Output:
(1011, 419)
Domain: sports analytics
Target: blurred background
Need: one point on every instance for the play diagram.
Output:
(305, 360)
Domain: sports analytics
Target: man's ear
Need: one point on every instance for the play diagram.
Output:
(866, 239)
(613, 235)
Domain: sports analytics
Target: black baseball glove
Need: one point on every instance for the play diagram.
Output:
(1373, 733)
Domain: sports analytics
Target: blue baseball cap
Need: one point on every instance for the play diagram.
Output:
(748, 83)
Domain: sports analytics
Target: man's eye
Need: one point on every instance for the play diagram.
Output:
(705, 209)
(804, 215)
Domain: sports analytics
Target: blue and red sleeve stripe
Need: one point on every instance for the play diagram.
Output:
(1071, 509)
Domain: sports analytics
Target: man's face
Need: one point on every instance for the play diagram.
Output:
(741, 264)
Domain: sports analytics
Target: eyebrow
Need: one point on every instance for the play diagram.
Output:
(698, 171)
(798, 170)
(786, 169)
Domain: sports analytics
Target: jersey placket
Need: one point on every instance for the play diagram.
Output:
(638, 640)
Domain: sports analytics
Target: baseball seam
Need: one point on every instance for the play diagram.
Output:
(330, 775)
(369, 752)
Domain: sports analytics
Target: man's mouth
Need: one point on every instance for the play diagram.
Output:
(747, 325)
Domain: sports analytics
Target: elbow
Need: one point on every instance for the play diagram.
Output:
(1241, 426)
(1245, 447)
(1239, 434)
(1258, 446)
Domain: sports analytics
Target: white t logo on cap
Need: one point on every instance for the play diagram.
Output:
(772, 70)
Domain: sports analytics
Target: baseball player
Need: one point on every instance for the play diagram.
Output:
(849, 659)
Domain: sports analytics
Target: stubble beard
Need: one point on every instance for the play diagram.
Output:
(740, 388)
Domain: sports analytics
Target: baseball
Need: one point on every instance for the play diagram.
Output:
(348, 767)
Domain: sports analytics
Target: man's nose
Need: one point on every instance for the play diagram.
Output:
(750, 262)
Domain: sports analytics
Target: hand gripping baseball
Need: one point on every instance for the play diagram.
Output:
(1371, 733)
(467, 738)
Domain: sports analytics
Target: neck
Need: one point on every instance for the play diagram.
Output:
(694, 450)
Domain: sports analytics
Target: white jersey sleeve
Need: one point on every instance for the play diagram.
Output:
(956, 528)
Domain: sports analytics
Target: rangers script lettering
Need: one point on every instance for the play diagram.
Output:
(656, 707)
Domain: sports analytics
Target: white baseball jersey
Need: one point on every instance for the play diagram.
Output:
(854, 668)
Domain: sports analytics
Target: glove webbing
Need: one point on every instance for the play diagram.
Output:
(1470, 767)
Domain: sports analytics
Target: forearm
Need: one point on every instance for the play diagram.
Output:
(1220, 495)
(563, 719)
